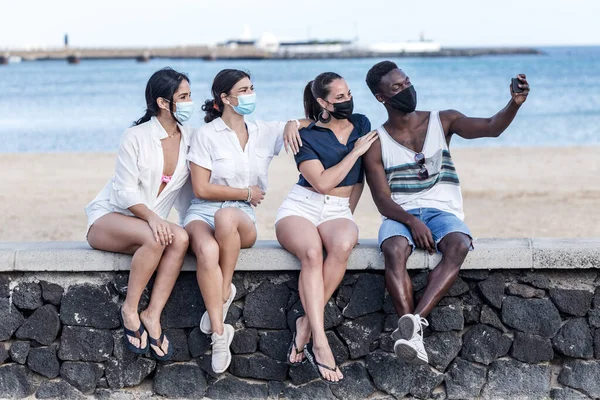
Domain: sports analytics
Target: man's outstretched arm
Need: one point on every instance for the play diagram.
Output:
(382, 196)
(473, 128)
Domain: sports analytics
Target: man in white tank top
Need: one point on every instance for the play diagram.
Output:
(416, 189)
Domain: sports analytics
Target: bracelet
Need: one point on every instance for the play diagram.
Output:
(249, 194)
(297, 123)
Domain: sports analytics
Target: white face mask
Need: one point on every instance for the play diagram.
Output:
(183, 110)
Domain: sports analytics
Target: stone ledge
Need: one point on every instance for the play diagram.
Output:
(267, 255)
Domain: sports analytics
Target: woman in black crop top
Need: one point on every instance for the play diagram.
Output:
(318, 211)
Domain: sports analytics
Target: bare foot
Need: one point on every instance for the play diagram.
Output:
(324, 356)
(131, 321)
(302, 338)
(152, 324)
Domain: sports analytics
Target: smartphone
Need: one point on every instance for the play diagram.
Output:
(515, 85)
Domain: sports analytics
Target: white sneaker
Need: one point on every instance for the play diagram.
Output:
(221, 355)
(205, 326)
(412, 349)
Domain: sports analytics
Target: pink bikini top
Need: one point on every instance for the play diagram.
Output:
(166, 179)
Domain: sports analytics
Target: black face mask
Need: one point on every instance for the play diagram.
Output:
(404, 101)
(342, 110)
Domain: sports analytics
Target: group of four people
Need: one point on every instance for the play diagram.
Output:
(216, 174)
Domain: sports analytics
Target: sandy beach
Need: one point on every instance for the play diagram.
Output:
(508, 192)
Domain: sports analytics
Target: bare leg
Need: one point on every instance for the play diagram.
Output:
(166, 276)
(233, 230)
(122, 234)
(396, 251)
(208, 272)
(301, 238)
(454, 248)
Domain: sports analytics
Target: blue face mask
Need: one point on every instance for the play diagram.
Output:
(184, 111)
(246, 104)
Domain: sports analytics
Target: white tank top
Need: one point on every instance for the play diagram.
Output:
(441, 190)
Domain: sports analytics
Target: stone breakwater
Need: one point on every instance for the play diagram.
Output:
(496, 335)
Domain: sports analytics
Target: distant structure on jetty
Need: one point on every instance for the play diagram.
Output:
(267, 47)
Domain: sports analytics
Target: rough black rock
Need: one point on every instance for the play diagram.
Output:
(179, 341)
(582, 375)
(185, 306)
(472, 305)
(27, 296)
(42, 326)
(245, 341)
(419, 281)
(534, 316)
(180, 380)
(276, 389)
(11, 319)
(58, 390)
(343, 296)
(458, 288)
(16, 381)
(4, 286)
(511, 379)
(233, 315)
(199, 343)
(51, 293)
(536, 279)
(43, 360)
(90, 305)
(492, 289)
(442, 348)
(360, 333)
(78, 343)
(465, 379)
(3, 353)
(275, 344)
(356, 383)
(390, 374)
(475, 274)
(367, 296)
(571, 301)
(333, 315)
(531, 349)
(524, 291)
(594, 318)
(567, 394)
(205, 364)
(597, 343)
(574, 339)
(82, 375)
(265, 306)
(447, 317)
(128, 373)
(310, 391)
(489, 317)
(19, 351)
(258, 366)
(484, 344)
(230, 387)
(302, 373)
(597, 297)
(338, 348)
(424, 381)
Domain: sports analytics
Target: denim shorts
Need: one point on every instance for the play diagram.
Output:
(205, 210)
(440, 223)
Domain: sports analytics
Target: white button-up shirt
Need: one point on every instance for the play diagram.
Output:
(217, 148)
(138, 174)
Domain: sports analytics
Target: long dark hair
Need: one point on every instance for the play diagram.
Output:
(223, 83)
(163, 83)
(317, 88)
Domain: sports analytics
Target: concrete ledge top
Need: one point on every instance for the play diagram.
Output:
(267, 255)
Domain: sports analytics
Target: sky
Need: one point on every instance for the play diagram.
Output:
(148, 23)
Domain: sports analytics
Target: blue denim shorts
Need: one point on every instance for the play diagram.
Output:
(205, 210)
(440, 223)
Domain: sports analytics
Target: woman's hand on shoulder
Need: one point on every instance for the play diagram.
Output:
(364, 143)
(291, 137)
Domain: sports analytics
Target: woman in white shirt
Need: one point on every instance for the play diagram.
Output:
(129, 215)
(229, 160)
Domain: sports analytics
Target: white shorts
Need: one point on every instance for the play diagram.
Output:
(315, 207)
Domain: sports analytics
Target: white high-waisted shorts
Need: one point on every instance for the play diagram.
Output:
(315, 207)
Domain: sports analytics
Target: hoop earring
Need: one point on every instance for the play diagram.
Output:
(324, 119)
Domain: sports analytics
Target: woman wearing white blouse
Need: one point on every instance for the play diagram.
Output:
(129, 215)
(229, 161)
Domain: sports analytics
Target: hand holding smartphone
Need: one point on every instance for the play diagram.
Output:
(515, 85)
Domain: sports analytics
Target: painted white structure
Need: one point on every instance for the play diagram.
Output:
(406, 47)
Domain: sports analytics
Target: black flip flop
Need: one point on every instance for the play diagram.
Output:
(313, 360)
(158, 343)
(133, 334)
(293, 344)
